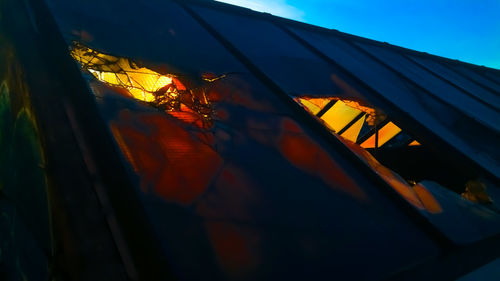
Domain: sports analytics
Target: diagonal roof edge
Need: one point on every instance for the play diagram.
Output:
(263, 15)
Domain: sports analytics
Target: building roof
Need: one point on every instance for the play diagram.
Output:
(221, 173)
(451, 102)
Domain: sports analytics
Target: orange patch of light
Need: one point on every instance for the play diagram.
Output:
(307, 155)
(396, 182)
(385, 134)
(353, 132)
(141, 82)
(430, 203)
(169, 161)
(414, 143)
(236, 251)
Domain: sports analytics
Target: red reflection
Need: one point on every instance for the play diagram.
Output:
(178, 84)
(234, 195)
(235, 251)
(213, 95)
(291, 126)
(169, 160)
(308, 156)
(238, 92)
(299, 150)
(222, 114)
(188, 116)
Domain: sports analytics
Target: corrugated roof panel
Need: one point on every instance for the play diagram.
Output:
(476, 141)
(252, 193)
(475, 76)
(472, 88)
(293, 67)
(493, 75)
(433, 85)
(166, 45)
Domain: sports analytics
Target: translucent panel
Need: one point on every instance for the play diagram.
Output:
(391, 138)
(392, 178)
(353, 132)
(440, 89)
(239, 198)
(484, 95)
(320, 102)
(219, 173)
(461, 131)
(114, 28)
(312, 107)
(165, 92)
(339, 115)
(385, 134)
(255, 165)
(141, 82)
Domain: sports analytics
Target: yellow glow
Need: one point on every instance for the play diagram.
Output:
(414, 143)
(339, 115)
(319, 102)
(141, 82)
(353, 132)
(385, 134)
(313, 108)
(354, 104)
(322, 102)
(162, 91)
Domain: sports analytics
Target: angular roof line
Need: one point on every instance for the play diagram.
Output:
(434, 87)
(250, 12)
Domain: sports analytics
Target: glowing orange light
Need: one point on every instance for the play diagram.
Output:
(339, 115)
(141, 82)
(385, 134)
(393, 179)
(165, 92)
(316, 104)
(307, 155)
(353, 132)
(319, 102)
(310, 106)
(426, 197)
(342, 113)
(169, 160)
(414, 143)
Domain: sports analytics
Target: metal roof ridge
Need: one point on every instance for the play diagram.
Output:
(332, 31)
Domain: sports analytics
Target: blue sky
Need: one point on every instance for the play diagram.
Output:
(467, 30)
